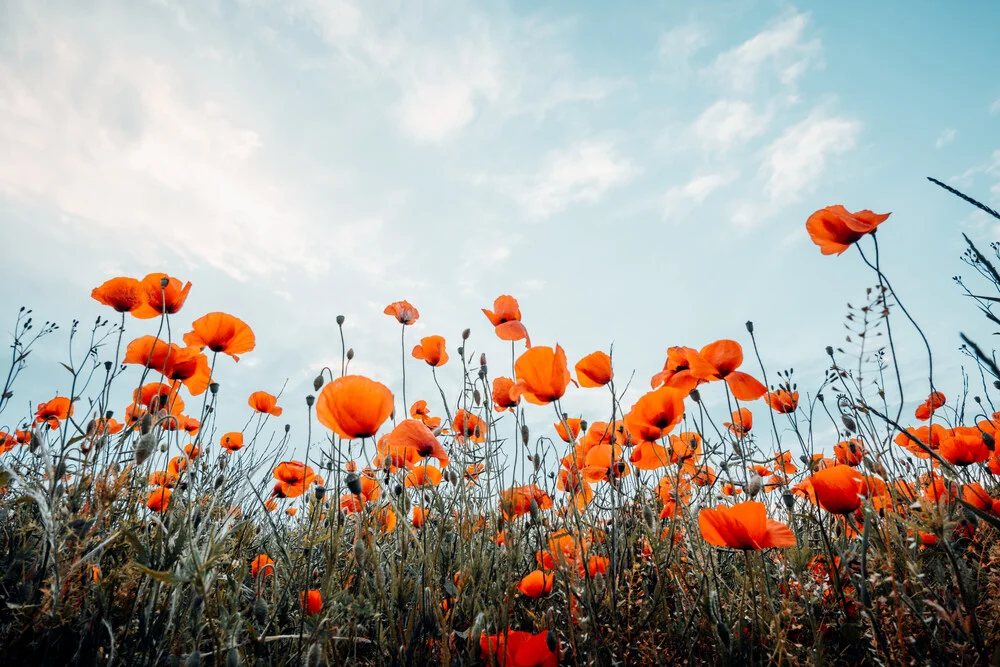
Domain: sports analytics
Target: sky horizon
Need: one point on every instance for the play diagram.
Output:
(637, 176)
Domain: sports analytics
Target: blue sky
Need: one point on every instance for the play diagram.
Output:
(634, 173)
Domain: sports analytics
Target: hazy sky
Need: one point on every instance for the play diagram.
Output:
(634, 173)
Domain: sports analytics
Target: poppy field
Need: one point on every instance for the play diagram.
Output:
(819, 525)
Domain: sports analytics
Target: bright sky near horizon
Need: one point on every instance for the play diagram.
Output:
(634, 173)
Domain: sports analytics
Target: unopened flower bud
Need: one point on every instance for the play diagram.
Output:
(465, 334)
(477, 398)
(354, 483)
(350, 353)
(214, 388)
(749, 326)
(754, 485)
(318, 382)
(310, 399)
(829, 350)
(340, 320)
(482, 359)
(524, 434)
(164, 282)
(461, 350)
(788, 499)
(320, 492)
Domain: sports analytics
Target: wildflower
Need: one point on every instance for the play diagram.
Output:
(520, 649)
(403, 311)
(353, 406)
(837, 489)
(54, 411)
(159, 499)
(232, 441)
(294, 477)
(742, 422)
(419, 410)
(683, 370)
(834, 229)
(516, 501)
(743, 526)
(536, 584)
(412, 435)
(431, 350)
(466, 425)
(729, 490)
(502, 394)
(422, 476)
(655, 414)
(574, 429)
(419, 516)
(724, 357)
(162, 300)
(541, 375)
(782, 400)
(262, 564)
(850, 452)
(125, 295)
(506, 319)
(263, 402)
(963, 445)
(221, 332)
(312, 601)
(934, 401)
(594, 370)
(649, 455)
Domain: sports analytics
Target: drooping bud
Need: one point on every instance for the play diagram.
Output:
(214, 388)
(754, 485)
(318, 382)
(482, 359)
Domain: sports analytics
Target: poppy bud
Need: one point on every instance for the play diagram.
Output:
(146, 424)
(91, 427)
(144, 447)
(397, 490)
(788, 499)
(647, 516)
(552, 642)
(482, 359)
(466, 333)
(749, 327)
(695, 396)
(536, 461)
(988, 440)
(310, 399)
(350, 353)
(233, 657)
(260, 610)
(340, 320)
(849, 423)
(214, 388)
(354, 484)
(996, 384)
(524, 434)
(477, 397)
(534, 510)
(461, 351)
(288, 427)
(107, 366)
(219, 481)
(583, 426)
(320, 492)
(819, 397)
(754, 485)
(318, 382)
(829, 351)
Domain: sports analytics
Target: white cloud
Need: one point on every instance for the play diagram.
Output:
(582, 173)
(782, 49)
(795, 161)
(680, 44)
(729, 122)
(995, 107)
(680, 200)
(945, 138)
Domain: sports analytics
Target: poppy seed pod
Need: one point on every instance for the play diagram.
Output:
(164, 282)
(749, 327)
(466, 333)
(214, 388)
(340, 320)
(310, 400)
(533, 508)
(350, 353)
(849, 423)
(318, 382)
(288, 427)
(320, 492)
(219, 481)
(988, 440)
(524, 434)
(461, 351)
(260, 610)
(829, 350)
(354, 483)
(647, 516)
(788, 499)
(583, 426)
(146, 425)
(695, 396)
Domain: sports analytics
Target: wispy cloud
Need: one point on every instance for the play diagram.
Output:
(945, 138)
(729, 122)
(795, 161)
(681, 200)
(782, 50)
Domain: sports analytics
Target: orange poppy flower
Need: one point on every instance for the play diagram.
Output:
(729, 490)
(419, 516)
(682, 370)
(158, 499)
(594, 370)
(386, 519)
(724, 357)
(837, 489)
(294, 477)
(574, 429)
(221, 332)
(930, 436)
(834, 229)
(123, 294)
(413, 435)
(191, 451)
(312, 602)
(232, 441)
(655, 414)
(850, 452)
(261, 564)
(501, 394)
(519, 649)
(649, 455)
(783, 463)
(473, 471)
(261, 401)
(419, 410)
(54, 411)
(743, 526)
(403, 311)
(741, 424)
(354, 407)
(516, 501)
(536, 583)
(151, 352)
(291, 511)
(422, 476)
(271, 505)
(934, 401)
(161, 300)
(431, 350)
(963, 445)
(7, 442)
(542, 375)
(685, 447)
(574, 481)
(158, 396)
(506, 319)
(782, 400)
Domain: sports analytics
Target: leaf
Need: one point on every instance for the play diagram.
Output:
(163, 577)
(71, 371)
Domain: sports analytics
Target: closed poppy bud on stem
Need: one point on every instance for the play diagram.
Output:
(829, 350)
(354, 483)
(350, 353)
(551, 641)
(477, 397)
(749, 326)
(524, 434)
(695, 396)
(482, 359)
(788, 499)
(461, 351)
(465, 334)
(318, 382)
(214, 388)
(320, 492)
(310, 399)
(340, 320)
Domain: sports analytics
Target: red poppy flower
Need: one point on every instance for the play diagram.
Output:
(501, 394)
(161, 300)
(850, 452)
(403, 311)
(419, 410)
(743, 526)
(354, 407)
(724, 357)
(520, 649)
(261, 401)
(934, 401)
(741, 424)
(221, 332)
(542, 375)
(516, 501)
(159, 499)
(262, 563)
(54, 411)
(655, 414)
(466, 425)
(123, 294)
(312, 601)
(963, 445)
(422, 476)
(431, 350)
(232, 441)
(683, 370)
(506, 319)
(594, 370)
(294, 477)
(837, 489)
(782, 400)
(411, 434)
(419, 516)
(834, 229)
(574, 425)
(536, 583)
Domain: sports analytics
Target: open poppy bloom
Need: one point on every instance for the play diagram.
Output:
(261, 401)
(159, 499)
(743, 526)
(520, 649)
(403, 311)
(221, 332)
(782, 400)
(54, 411)
(542, 375)
(431, 350)
(516, 501)
(261, 564)
(683, 370)
(850, 452)
(724, 357)
(419, 410)
(354, 407)
(294, 477)
(834, 229)
(161, 300)
(506, 319)
(422, 476)
(312, 601)
(837, 489)
(963, 445)
(594, 370)
(501, 394)
(232, 441)
(123, 294)
(649, 455)
(536, 583)
(573, 423)
(655, 414)
(413, 436)
(741, 424)
(934, 401)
